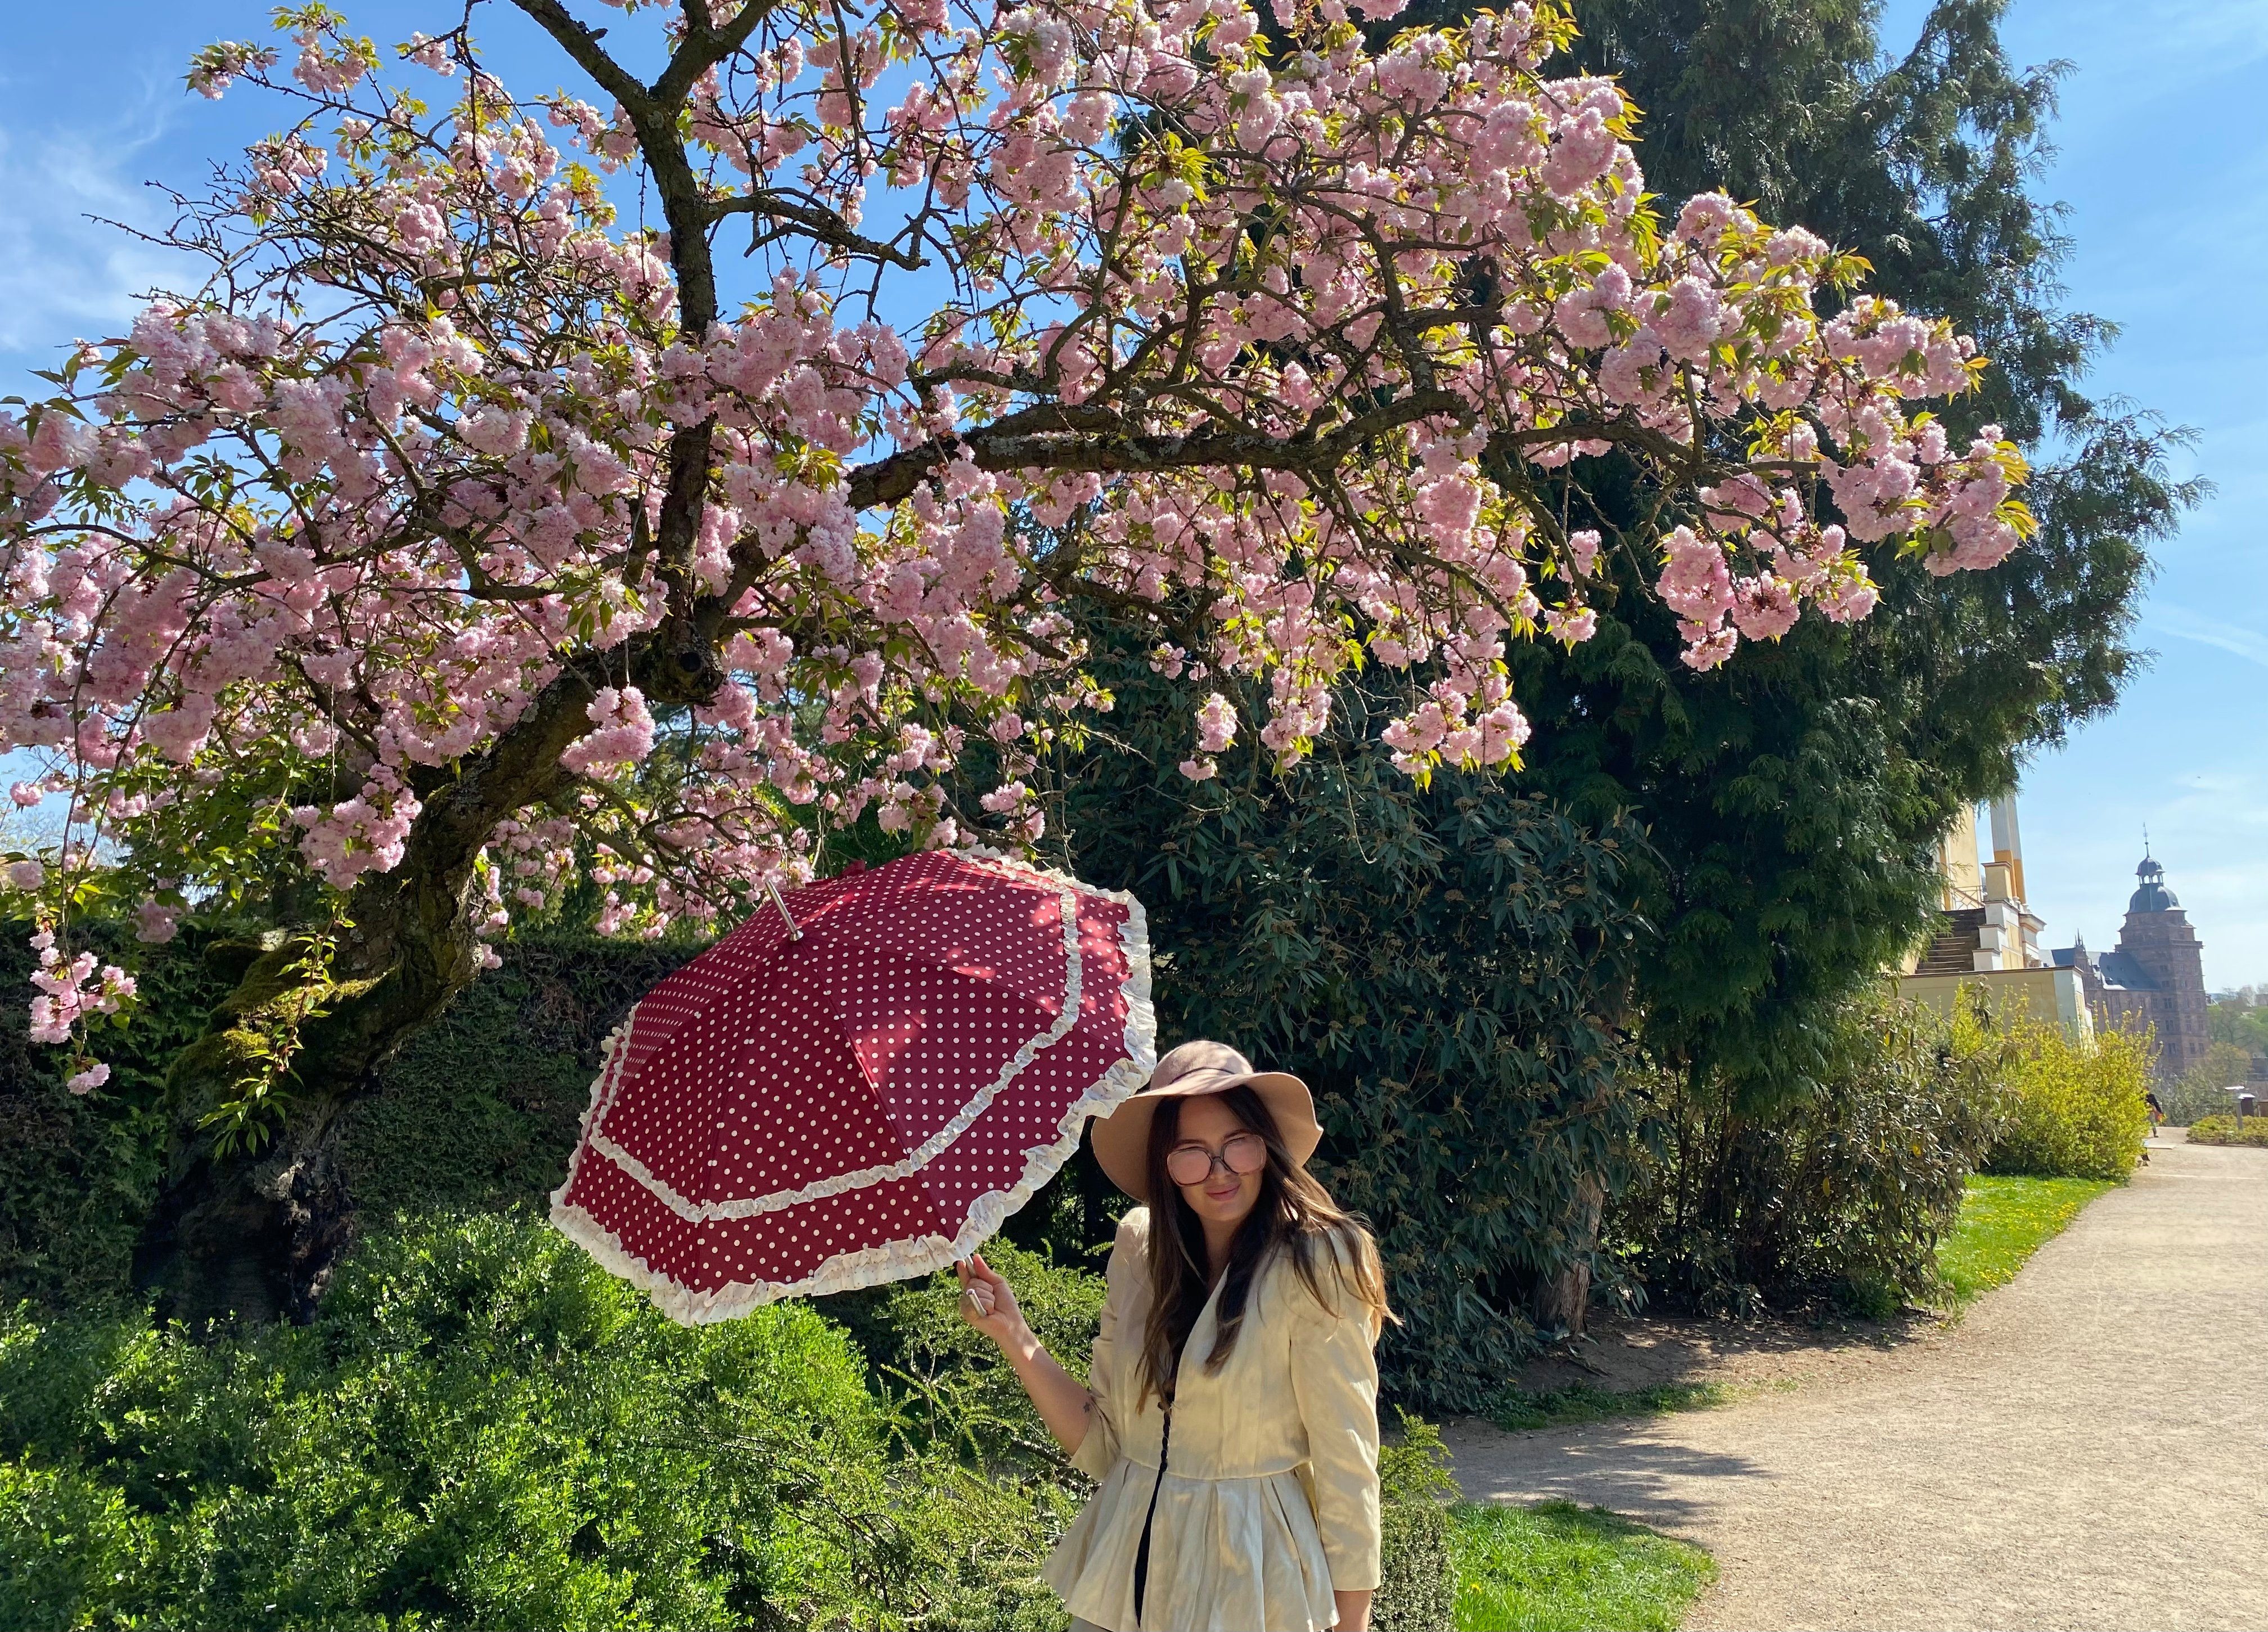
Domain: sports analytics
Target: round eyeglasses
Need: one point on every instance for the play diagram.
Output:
(1240, 1154)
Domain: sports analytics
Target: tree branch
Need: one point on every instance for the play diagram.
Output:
(1037, 438)
(821, 224)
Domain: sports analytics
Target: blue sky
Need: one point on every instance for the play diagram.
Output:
(2163, 160)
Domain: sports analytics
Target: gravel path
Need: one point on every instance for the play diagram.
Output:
(2087, 1448)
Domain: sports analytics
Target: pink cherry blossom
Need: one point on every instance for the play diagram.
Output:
(664, 570)
(1216, 724)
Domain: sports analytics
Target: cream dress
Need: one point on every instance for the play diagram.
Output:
(1268, 1495)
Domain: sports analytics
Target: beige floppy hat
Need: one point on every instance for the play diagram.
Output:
(1122, 1140)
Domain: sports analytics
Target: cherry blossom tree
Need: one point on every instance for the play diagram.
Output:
(458, 542)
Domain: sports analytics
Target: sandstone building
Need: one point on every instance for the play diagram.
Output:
(1988, 940)
(2154, 977)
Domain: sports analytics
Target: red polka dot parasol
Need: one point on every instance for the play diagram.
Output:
(858, 1084)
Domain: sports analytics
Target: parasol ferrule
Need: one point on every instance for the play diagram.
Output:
(794, 932)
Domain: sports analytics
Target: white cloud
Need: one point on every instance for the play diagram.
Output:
(63, 276)
(2184, 625)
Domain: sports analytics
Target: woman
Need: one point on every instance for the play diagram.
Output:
(1232, 1412)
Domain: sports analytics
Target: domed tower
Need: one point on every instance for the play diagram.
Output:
(2157, 944)
(2152, 896)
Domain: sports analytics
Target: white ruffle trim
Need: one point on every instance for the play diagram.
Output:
(892, 1260)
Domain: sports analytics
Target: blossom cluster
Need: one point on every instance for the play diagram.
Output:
(1296, 336)
(69, 992)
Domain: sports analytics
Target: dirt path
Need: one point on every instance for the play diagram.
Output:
(2088, 1448)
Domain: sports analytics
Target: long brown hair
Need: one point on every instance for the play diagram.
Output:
(1294, 1215)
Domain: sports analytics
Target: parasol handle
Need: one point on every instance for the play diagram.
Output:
(794, 932)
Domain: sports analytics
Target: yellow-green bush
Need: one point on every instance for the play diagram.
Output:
(2072, 1110)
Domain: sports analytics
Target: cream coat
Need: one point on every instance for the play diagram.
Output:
(1270, 1496)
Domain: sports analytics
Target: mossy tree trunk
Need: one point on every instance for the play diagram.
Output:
(252, 1229)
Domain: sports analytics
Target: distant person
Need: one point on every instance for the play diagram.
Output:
(2157, 1111)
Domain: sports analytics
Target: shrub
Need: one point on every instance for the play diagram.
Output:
(2074, 1110)
(77, 1174)
(968, 1400)
(1843, 1195)
(1418, 1588)
(958, 1390)
(478, 1111)
(2222, 1130)
(2203, 1089)
(481, 1427)
(1447, 968)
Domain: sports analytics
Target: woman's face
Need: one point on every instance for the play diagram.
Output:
(1222, 1196)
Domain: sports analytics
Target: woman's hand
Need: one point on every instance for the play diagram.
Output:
(989, 1303)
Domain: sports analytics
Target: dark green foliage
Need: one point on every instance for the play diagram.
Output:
(959, 1386)
(1418, 1589)
(1843, 1196)
(76, 1174)
(480, 1110)
(1793, 799)
(483, 1429)
(1444, 967)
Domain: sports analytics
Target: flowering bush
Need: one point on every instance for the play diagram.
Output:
(459, 546)
(2075, 1110)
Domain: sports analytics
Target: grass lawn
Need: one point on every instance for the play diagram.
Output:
(2003, 1222)
(1518, 1410)
(1558, 1568)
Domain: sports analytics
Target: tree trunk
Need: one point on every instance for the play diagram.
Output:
(253, 1235)
(256, 1232)
(1562, 1301)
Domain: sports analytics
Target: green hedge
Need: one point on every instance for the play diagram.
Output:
(483, 1429)
(480, 1110)
(961, 1393)
(76, 1175)
(1418, 1589)
(2221, 1130)
(477, 1112)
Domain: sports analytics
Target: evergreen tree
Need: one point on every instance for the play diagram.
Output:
(1794, 798)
